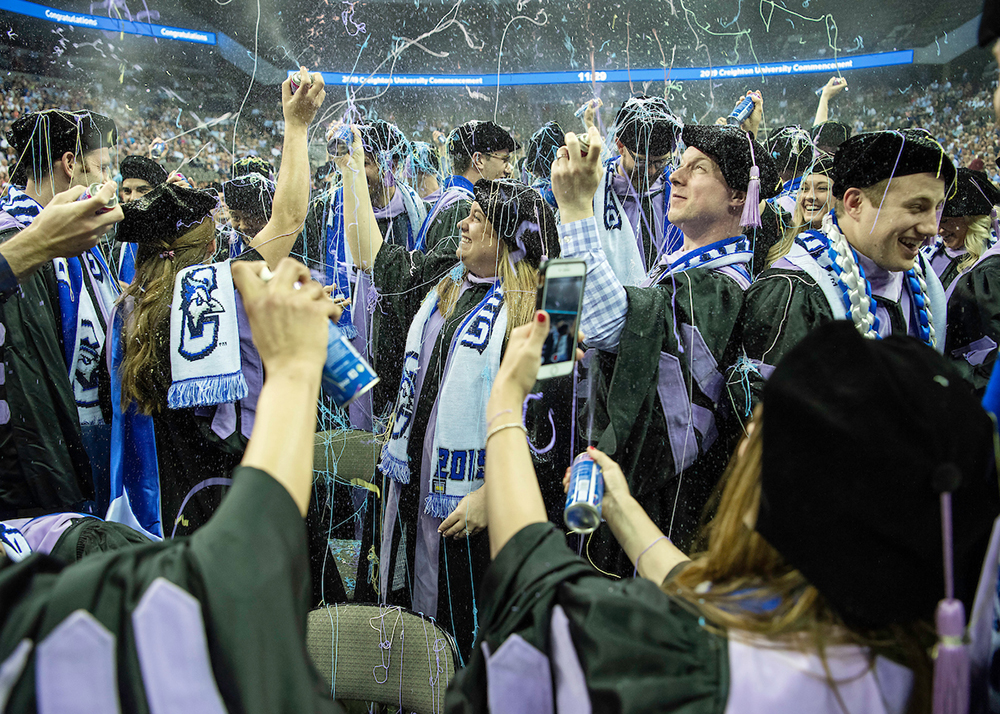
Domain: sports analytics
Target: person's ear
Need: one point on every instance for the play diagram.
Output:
(67, 165)
(737, 199)
(477, 161)
(853, 200)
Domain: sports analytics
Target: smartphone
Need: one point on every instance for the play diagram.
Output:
(560, 293)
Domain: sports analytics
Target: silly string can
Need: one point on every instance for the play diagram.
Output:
(346, 374)
(92, 190)
(583, 499)
(741, 112)
(340, 142)
(298, 79)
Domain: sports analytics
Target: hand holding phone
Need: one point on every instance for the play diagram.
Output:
(560, 294)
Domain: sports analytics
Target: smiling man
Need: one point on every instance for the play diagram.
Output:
(661, 407)
(863, 264)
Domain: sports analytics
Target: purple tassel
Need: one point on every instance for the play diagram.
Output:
(951, 660)
(996, 225)
(751, 209)
(951, 663)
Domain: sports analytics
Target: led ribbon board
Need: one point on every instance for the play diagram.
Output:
(842, 64)
(79, 19)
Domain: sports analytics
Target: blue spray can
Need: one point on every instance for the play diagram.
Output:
(583, 499)
(741, 112)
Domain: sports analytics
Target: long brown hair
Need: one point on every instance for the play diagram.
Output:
(519, 283)
(739, 568)
(145, 367)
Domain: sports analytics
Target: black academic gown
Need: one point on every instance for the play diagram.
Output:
(245, 583)
(974, 322)
(639, 650)
(44, 467)
(670, 474)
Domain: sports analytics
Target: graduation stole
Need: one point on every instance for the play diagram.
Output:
(735, 252)
(135, 473)
(405, 199)
(454, 189)
(834, 254)
(459, 442)
(618, 238)
(205, 364)
(87, 294)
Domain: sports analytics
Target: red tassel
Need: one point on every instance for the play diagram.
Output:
(751, 209)
(951, 661)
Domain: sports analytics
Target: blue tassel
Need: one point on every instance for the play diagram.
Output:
(207, 391)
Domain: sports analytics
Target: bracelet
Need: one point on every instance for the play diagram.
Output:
(494, 417)
(636, 571)
(511, 425)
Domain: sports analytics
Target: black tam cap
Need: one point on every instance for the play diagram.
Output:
(645, 126)
(481, 136)
(865, 159)
(858, 437)
(542, 148)
(163, 214)
(144, 169)
(830, 134)
(975, 195)
(729, 147)
(40, 138)
(521, 217)
(385, 142)
(253, 165)
(251, 192)
(792, 149)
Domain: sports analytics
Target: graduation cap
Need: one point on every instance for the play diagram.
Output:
(542, 148)
(480, 136)
(975, 195)
(864, 524)
(384, 141)
(521, 217)
(41, 138)
(745, 164)
(830, 134)
(646, 127)
(144, 169)
(865, 159)
(791, 147)
(164, 214)
(251, 189)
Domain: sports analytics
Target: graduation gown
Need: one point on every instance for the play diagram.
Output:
(215, 622)
(974, 321)
(44, 466)
(668, 377)
(558, 637)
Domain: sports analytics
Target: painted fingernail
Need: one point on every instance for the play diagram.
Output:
(541, 317)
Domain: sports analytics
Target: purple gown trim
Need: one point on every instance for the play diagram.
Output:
(172, 649)
(677, 412)
(571, 683)
(75, 670)
(518, 678)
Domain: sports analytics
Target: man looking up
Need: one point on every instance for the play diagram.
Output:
(478, 150)
(864, 263)
(664, 345)
(53, 439)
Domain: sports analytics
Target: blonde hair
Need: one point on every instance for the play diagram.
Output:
(798, 225)
(519, 283)
(739, 567)
(145, 368)
(977, 240)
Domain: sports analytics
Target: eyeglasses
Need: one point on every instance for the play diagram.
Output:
(504, 159)
(657, 165)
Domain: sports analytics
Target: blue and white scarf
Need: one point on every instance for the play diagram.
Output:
(87, 293)
(454, 189)
(205, 363)
(621, 246)
(734, 252)
(460, 431)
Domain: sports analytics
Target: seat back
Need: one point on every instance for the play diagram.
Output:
(378, 653)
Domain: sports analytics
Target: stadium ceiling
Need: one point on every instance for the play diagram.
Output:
(482, 36)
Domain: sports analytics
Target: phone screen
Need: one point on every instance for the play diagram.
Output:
(562, 302)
